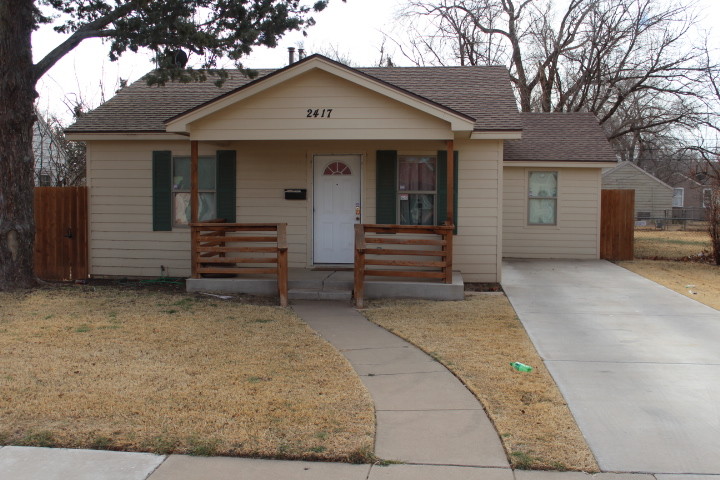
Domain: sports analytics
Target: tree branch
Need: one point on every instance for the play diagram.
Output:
(93, 29)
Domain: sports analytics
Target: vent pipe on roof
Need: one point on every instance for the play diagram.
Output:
(291, 55)
(301, 53)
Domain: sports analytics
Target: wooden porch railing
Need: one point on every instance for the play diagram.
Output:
(243, 249)
(409, 241)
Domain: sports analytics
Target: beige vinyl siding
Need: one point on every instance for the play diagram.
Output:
(281, 112)
(476, 249)
(121, 238)
(122, 241)
(651, 195)
(577, 232)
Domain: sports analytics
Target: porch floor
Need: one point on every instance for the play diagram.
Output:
(305, 284)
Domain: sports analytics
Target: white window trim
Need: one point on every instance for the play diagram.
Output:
(528, 198)
(681, 190)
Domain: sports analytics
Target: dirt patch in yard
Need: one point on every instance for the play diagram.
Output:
(477, 339)
(698, 281)
(109, 368)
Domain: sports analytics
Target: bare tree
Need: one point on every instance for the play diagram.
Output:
(71, 171)
(48, 151)
(627, 61)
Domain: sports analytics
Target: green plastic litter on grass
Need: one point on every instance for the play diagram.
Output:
(521, 367)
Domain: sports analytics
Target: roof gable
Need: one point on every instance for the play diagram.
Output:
(631, 166)
(458, 121)
(317, 105)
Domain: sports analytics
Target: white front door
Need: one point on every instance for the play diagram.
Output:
(336, 206)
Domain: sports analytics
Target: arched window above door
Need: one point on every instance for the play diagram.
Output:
(337, 168)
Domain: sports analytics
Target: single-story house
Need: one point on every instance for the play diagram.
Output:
(653, 197)
(321, 146)
(691, 195)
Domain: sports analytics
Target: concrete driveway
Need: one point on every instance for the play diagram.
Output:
(638, 364)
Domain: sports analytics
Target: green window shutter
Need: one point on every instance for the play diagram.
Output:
(162, 190)
(226, 192)
(386, 187)
(442, 188)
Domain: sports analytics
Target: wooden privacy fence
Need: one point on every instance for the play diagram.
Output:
(241, 249)
(617, 225)
(430, 245)
(61, 238)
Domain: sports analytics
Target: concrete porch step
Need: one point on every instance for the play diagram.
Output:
(330, 285)
(319, 294)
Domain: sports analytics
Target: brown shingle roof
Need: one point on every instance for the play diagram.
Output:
(143, 108)
(563, 137)
(482, 93)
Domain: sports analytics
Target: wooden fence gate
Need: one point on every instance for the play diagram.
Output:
(61, 243)
(617, 225)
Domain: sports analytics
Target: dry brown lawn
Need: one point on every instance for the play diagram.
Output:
(657, 252)
(699, 281)
(91, 367)
(667, 244)
(477, 339)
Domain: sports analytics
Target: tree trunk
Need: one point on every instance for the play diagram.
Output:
(17, 94)
(713, 213)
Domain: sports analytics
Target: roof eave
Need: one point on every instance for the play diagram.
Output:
(83, 136)
(558, 163)
(496, 135)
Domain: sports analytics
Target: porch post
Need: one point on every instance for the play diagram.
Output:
(194, 207)
(194, 181)
(450, 182)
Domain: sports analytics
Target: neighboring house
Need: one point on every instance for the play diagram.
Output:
(49, 154)
(691, 195)
(364, 145)
(653, 197)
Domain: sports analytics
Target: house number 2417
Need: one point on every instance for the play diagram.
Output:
(319, 113)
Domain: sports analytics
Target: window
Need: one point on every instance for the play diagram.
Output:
(678, 197)
(417, 189)
(542, 198)
(181, 189)
(171, 188)
(337, 168)
(707, 197)
(45, 180)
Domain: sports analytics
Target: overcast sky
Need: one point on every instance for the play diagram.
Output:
(353, 28)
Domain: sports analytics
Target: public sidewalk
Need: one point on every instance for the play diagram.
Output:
(30, 463)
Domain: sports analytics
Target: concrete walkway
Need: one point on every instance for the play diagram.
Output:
(638, 364)
(424, 414)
